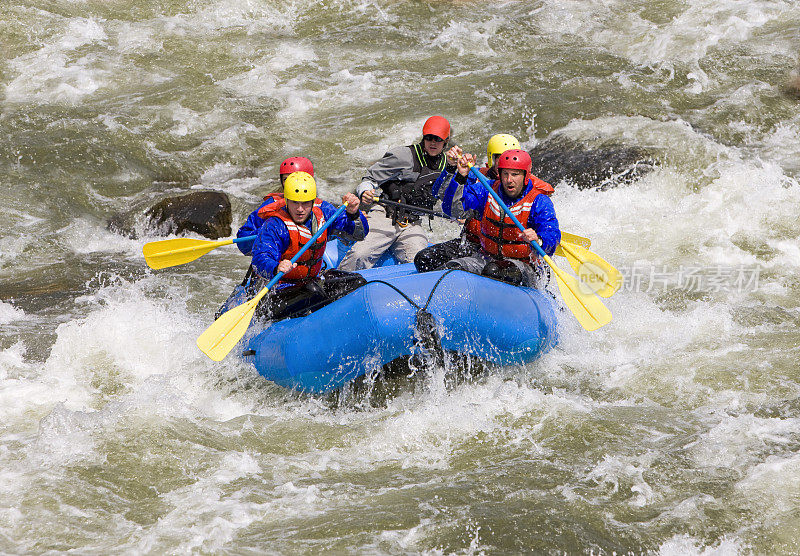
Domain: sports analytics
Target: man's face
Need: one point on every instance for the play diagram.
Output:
(432, 145)
(299, 210)
(283, 178)
(513, 181)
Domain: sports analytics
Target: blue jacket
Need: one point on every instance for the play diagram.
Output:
(251, 228)
(273, 238)
(542, 218)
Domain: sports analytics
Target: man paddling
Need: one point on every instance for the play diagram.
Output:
(289, 222)
(404, 174)
(505, 253)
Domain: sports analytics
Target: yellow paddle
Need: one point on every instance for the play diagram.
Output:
(219, 338)
(173, 252)
(587, 307)
(566, 237)
(593, 270)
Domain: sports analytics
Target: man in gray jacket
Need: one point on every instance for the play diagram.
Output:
(405, 175)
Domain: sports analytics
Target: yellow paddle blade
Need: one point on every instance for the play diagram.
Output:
(174, 252)
(572, 238)
(594, 271)
(584, 304)
(584, 242)
(218, 339)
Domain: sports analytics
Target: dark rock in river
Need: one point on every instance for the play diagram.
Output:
(207, 213)
(560, 159)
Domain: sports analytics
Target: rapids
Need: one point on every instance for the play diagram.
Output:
(673, 430)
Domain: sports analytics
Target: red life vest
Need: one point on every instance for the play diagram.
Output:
(499, 236)
(310, 262)
(473, 225)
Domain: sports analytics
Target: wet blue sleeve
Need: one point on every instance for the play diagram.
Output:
(251, 228)
(544, 222)
(349, 229)
(269, 247)
(475, 195)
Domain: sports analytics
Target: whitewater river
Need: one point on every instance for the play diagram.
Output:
(675, 429)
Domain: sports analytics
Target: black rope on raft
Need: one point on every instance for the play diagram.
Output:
(411, 301)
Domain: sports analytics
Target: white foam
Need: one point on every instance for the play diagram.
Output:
(677, 47)
(736, 441)
(16, 390)
(207, 514)
(227, 177)
(685, 545)
(613, 471)
(668, 212)
(300, 97)
(259, 81)
(426, 429)
(468, 38)
(772, 487)
(84, 237)
(137, 38)
(54, 73)
(9, 313)
(133, 347)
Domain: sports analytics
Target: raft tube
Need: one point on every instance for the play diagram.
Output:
(376, 324)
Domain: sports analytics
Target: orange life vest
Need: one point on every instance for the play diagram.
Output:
(278, 202)
(499, 236)
(472, 227)
(310, 262)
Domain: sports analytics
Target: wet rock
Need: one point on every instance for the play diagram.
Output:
(561, 159)
(207, 213)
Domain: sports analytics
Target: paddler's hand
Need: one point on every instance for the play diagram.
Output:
(464, 163)
(352, 203)
(530, 235)
(369, 196)
(453, 155)
(286, 265)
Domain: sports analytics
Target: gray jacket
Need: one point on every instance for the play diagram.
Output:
(397, 164)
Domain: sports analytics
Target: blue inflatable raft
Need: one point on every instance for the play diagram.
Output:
(377, 323)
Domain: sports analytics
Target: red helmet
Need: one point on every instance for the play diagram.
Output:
(515, 159)
(296, 164)
(438, 126)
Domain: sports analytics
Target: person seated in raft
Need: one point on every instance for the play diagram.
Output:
(289, 222)
(253, 224)
(254, 221)
(405, 175)
(505, 253)
(468, 243)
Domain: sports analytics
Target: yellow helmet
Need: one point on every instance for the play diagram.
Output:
(499, 144)
(300, 187)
